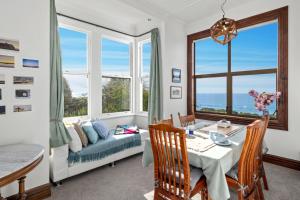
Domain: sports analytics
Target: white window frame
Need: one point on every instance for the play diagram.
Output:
(140, 44)
(131, 73)
(87, 72)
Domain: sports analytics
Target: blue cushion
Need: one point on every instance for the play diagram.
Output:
(90, 132)
(101, 129)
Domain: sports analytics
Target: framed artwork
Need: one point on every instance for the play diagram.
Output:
(176, 75)
(31, 63)
(175, 92)
(2, 110)
(22, 108)
(7, 44)
(23, 94)
(7, 61)
(26, 80)
(2, 79)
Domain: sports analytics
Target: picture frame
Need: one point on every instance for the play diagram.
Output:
(22, 108)
(30, 63)
(2, 110)
(7, 61)
(8, 44)
(23, 94)
(176, 75)
(175, 92)
(25, 80)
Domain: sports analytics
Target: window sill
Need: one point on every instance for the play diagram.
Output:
(273, 124)
(142, 114)
(116, 115)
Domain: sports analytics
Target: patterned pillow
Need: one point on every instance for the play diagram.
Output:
(90, 132)
(101, 129)
(81, 134)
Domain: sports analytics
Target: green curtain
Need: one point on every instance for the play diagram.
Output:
(58, 133)
(155, 105)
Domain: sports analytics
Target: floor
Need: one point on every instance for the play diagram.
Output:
(128, 180)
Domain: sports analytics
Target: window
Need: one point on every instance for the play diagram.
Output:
(145, 57)
(75, 73)
(222, 75)
(116, 76)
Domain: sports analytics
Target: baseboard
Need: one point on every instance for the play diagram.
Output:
(281, 161)
(37, 193)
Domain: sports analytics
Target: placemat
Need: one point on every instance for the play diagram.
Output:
(199, 144)
(226, 131)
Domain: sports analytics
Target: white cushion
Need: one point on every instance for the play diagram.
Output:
(75, 145)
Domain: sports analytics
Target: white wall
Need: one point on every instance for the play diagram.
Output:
(28, 22)
(281, 143)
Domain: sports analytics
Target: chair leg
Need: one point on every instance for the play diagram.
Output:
(260, 191)
(156, 195)
(204, 194)
(264, 177)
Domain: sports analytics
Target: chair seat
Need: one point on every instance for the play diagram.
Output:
(233, 173)
(195, 175)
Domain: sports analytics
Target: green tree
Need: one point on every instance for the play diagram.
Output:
(116, 95)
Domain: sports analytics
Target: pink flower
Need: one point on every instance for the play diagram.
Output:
(253, 93)
(261, 101)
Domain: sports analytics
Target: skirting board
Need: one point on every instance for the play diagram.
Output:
(37, 193)
(281, 161)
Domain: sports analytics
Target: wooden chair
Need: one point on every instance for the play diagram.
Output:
(263, 176)
(246, 181)
(174, 178)
(186, 120)
(165, 121)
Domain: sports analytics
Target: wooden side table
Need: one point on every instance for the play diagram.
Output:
(16, 161)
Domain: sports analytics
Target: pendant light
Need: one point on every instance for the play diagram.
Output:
(224, 30)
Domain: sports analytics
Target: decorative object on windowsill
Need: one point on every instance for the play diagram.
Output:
(263, 100)
(176, 75)
(224, 30)
(224, 123)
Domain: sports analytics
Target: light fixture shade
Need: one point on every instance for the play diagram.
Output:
(224, 30)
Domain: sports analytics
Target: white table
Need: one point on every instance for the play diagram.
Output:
(16, 161)
(215, 163)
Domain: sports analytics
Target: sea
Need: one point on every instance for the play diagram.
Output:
(240, 103)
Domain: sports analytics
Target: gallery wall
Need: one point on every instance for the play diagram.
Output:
(281, 143)
(28, 22)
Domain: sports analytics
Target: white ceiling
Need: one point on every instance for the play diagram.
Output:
(131, 12)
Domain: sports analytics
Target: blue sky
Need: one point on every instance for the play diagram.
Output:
(254, 48)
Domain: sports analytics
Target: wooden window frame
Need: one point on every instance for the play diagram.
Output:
(281, 123)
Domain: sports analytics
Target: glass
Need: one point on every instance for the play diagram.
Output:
(210, 57)
(75, 95)
(116, 93)
(73, 50)
(211, 95)
(115, 58)
(256, 48)
(243, 104)
(146, 56)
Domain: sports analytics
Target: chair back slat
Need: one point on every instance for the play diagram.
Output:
(249, 164)
(186, 120)
(171, 166)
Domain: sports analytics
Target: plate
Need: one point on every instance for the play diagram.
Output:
(225, 143)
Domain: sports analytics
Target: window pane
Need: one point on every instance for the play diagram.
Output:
(256, 48)
(74, 50)
(211, 94)
(243, 104)
(210, 57)
(75, 95)
(146, 56)
(115, 58)
(115, 95)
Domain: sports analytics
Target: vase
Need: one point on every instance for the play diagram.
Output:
(265, 112)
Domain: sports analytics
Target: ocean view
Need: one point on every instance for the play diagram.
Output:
(241, 103)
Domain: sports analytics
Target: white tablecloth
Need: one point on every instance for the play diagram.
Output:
(215, 163)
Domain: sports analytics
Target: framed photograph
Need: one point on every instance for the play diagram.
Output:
(176, 75)
(22, 108)
(31, 63)
(175, 92)
(0, 94)
(2, 110)
(26, 80)
(2, 79)
(22, 94)
(7, 44)
(7, 61)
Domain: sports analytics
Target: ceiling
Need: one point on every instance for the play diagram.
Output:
(132, 12)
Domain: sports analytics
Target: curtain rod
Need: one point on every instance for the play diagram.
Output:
(93, 24)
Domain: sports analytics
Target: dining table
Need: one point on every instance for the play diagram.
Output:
(215, 160)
